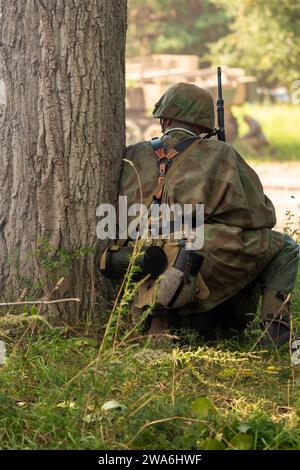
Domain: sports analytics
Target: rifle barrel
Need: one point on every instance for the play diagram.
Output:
(220, 108)
(219, 73)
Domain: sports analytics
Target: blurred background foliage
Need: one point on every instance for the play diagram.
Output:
(169, 26)
(262, 36)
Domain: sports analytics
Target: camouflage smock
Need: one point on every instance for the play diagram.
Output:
(239, 241)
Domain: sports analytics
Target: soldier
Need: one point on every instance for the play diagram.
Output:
(255, 136)
(241, 251)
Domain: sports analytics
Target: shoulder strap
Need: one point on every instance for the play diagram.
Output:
(183, 155)
(165, 159)
(158, 147)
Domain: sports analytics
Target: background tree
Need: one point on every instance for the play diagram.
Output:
(62, 138)
(262, 36)
(264, 39)
(170, 26)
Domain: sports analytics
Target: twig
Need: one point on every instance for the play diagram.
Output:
(39, 302)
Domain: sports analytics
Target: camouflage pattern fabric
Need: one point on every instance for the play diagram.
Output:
(188, 103)
(239, 241)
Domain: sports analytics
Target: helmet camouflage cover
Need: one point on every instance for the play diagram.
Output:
(188, 103)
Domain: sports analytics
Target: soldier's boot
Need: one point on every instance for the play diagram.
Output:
(276, 319)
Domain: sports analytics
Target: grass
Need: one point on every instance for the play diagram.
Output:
(280, 124)
(56, 392)
(194, 396)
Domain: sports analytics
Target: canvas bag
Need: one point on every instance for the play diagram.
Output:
(174, 288)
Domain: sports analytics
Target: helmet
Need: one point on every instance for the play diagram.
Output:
(188, 103)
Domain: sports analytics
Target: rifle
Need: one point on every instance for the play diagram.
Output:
(220, 131)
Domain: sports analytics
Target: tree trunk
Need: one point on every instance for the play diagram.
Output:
(62, 138)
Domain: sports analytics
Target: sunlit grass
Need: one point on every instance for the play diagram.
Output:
(251, 392)
(53, 388)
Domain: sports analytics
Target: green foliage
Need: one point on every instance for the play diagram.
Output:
(58, 392)
(169, 26)
(242, 442)
(261, 36)
(212, 444)
(264, 39)
(202, 407)
(57, 262)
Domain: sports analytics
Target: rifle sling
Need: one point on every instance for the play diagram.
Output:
(180, 158)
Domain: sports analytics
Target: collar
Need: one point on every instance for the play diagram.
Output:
(182, 129)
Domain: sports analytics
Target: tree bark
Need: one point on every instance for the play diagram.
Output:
(61, 140)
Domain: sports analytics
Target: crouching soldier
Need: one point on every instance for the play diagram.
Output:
(255, 136)
(241, 253)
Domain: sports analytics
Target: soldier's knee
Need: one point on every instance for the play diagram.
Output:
(291, 246)
(281, 272)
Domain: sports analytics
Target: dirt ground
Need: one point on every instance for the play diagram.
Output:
(281, 183)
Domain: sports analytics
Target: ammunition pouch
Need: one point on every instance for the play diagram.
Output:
(172, 273)
(180, 284)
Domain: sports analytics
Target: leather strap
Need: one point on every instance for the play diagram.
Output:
(165, 159)
(185, 153)
(181, 157)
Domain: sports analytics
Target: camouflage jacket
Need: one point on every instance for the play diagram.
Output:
(239, 241)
